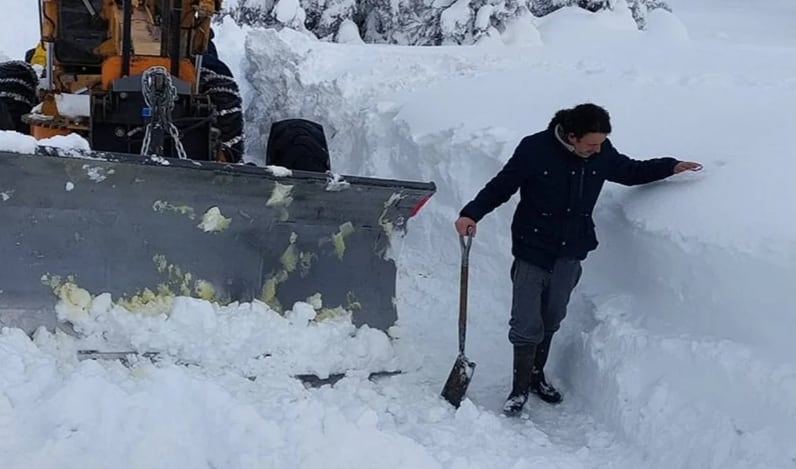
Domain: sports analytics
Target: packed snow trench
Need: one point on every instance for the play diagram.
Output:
(678, 350)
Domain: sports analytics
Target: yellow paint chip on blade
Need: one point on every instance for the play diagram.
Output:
(213, 221)
(289, 258)
(268, 295)
(149, 303)
(326, 314)
(338, 239)
(205, 290)
(178, 282)
(74, 302)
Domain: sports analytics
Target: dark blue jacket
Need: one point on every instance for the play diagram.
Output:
(558, 191)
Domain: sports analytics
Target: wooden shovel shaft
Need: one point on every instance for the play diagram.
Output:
(465, 242)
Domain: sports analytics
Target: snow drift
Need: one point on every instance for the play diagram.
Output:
(683, 334)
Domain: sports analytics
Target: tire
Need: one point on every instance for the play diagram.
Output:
(225, 96)
(298, 144)
(6, 121)
(18, 91)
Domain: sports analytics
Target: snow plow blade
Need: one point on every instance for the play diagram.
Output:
(129, 225)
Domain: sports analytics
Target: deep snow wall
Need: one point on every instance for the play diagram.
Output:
(685, 347)
(678, 338)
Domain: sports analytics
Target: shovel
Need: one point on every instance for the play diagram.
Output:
(462, 372)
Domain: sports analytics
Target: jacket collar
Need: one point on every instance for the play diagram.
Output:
(559, 133)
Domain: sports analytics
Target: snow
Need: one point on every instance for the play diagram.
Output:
(680, 334)
(521, 31)
(602, 27)
(337, 183)
(279, 171)
(97, 173)
(73, 105)
(666, 25)
(348, 33)
(66, 142)
(289, 12)
(482, 17)
(17, 143)
(454, 17)
(213, 221)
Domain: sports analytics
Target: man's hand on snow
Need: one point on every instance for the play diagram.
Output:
(686, 166)
(465, 226)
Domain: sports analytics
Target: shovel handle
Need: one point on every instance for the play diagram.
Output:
(465, 242)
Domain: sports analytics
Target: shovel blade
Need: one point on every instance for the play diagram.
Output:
(458, 380)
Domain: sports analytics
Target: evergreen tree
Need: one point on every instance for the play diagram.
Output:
(415, 22)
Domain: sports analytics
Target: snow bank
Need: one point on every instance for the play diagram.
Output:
(250, 337)
(172, 416)
(573, 25)
(703, 261)
(716, 400)
(163, 414)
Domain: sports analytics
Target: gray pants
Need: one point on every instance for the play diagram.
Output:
(540, 298)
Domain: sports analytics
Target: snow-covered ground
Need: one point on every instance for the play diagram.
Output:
(679, 348)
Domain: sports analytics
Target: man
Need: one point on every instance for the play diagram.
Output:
(559, 172)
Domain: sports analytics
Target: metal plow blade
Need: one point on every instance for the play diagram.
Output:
(123, 224)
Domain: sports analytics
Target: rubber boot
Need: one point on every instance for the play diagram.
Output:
(523, 363)
(539, 385)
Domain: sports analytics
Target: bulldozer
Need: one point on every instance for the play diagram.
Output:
(161, 204)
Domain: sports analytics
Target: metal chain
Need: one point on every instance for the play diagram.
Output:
(160, 94)
(224, 92)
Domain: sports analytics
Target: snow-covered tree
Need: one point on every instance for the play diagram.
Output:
(412, 22)
(638, 8)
